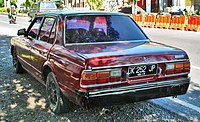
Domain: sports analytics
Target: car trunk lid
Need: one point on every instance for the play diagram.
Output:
(123, 53)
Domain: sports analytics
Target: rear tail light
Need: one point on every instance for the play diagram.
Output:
(89, 76)
(186, 67)
(174, 68)
(95, 78)
(103, 74)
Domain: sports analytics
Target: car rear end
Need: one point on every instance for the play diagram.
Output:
(127, 66)
(139, 81)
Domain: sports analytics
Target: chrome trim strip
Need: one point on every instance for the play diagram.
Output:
(183, 60)
(138, 87)
(103, 84)
(103, 70)
(184, 73)
(64, 30)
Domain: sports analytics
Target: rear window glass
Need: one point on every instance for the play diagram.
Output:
(90, 28)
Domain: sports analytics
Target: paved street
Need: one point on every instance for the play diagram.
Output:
(185, 105)
(10, 29)
(189, 41)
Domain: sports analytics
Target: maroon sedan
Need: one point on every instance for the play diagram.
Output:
(91, 58)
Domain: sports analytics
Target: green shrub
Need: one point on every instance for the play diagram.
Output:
(23, 11)
(17, 10)
(4, 9)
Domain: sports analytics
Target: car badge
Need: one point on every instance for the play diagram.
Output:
(179, 56)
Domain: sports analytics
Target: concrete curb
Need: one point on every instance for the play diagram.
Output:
(18, 14)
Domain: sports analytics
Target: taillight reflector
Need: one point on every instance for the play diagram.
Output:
(103, 74)
(89, 76)
(187, 64)
(178, 66)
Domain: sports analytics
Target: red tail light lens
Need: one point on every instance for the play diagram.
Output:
(88, 82)
(169, 69)
(174, 68)
(168, 72)
(178, 68)
(187, 67)
(103, 74)
(95, 78)
(89, 76)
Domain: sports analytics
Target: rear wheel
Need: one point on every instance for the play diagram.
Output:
(57, 101)
(16, 64)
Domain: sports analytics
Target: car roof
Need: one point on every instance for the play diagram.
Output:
(81, 13)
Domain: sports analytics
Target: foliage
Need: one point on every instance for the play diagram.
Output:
(13, 2)
(17, 10)
(28, 3)
(60, 5)
(4, 9)
(1, 3)
(95, 4)
(188, 2)
(23, 11)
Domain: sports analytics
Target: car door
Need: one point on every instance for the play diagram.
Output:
(42, 45)
(25, 43)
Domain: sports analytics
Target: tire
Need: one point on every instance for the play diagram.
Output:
(57, 101)
(16, 64)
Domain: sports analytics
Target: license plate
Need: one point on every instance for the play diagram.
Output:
(142, 70)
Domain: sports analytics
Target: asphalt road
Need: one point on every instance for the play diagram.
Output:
(11, 29)
(188, 104)
(185, 105)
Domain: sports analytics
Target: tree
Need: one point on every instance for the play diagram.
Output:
(95, 4)
(28, 3)
(1, 3)
(13, 2)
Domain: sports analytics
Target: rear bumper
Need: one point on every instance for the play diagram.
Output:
(134, 92)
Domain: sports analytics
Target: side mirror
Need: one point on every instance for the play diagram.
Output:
(21, 32)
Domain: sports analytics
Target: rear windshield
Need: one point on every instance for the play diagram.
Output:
(101, 28)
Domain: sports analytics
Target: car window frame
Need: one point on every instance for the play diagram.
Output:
(54, 24)
(31, 25)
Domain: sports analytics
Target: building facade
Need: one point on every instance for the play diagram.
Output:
(151, 5)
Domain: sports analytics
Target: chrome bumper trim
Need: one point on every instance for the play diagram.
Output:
(144, 63)
(138, 87)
